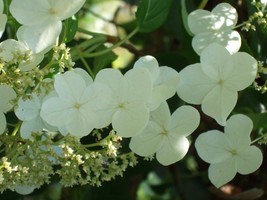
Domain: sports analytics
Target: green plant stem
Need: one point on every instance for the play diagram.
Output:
(90, 55)
(203, 4)
(85, 63)
(259, 138)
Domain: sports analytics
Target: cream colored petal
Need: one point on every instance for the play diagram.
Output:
(213, 146)
(223, 172)
(194, 85)
(219, 103)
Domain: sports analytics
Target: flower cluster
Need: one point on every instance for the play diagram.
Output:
(69, 121)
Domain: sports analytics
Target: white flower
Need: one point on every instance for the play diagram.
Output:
(13, 51)
(215, 27)
(7, 94)
(214, 81)
(165, 80)
(166, 134)
(41, 20)
(29, 112)
(231, 152)
(126, 109)
(72, 106)
(3, 18)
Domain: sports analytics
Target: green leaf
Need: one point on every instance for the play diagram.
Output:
(151, 14)
(259, 120)
(69, 29)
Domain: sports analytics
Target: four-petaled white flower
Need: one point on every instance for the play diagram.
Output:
(215, 27)
(165, 80)
(126, 108)
(7, 94)
(3, 18)
(29, 112)
(214, 81)
(166, 134)
(229, 152)
(41, 20)
(72, 106)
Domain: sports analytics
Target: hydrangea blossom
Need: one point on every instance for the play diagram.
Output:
(13, 52)
(29, 112)
(72, 106)
(7, 94)
(127, 108)
(41, 20)
(166, 134)
(214, 81)
(3, 18)
(165, 80)
(229, 152)
(215, 27)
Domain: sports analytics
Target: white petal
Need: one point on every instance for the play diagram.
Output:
(229, 39)
(111, 77)
(86, 77)
(194, 85)
(31, 63)
(28, 109)
(226, 16)
(82, 123)
(7, 94)
(66, 8)
(70, 85)
(219, 103)
(150, 63)
(200, 21)
(3, 20)
(40, 37)
(2, 122)
(102, 102)
(148, 141)
(57, 112)
(165, 86)
(130, 120)
(241, 70)
(33, 125)
(172, 150)
(24, 189)
(161, 115)
(213, 146)
(249, 160)
(213, 60)
(222, 173)
(28, 12)
(184, 121)
(139, 84)
(238, 128)
(10, 48)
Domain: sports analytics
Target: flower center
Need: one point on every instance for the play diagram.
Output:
(77, 106)
(220, 82)
(52, 11)
(233, 152)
